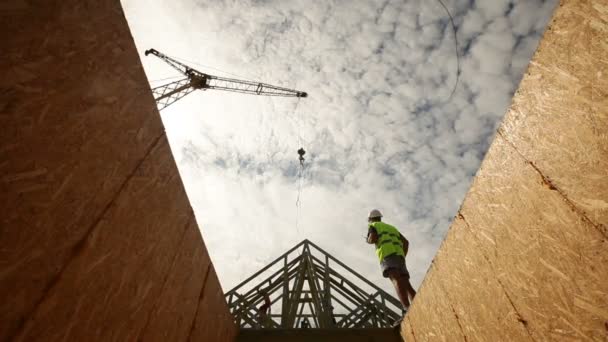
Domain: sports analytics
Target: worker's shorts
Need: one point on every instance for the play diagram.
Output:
(396, 262)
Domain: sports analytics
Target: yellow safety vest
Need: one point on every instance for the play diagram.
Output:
(389, 240)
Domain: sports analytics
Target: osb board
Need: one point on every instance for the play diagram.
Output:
(431, 317)
(76, 122)
(530, 242)
(551, 260)
(478, 299)
(94, 212)
(107, 291)
(213, 321)
(175, 311)
(407, 334)
(559, 116)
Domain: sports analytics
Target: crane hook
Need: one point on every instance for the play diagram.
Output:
(301, 152)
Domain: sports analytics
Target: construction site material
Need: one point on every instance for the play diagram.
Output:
(193, 79)
(98, 240)
(99, 243)
(526, 258)
(308, 287)
(320, 335)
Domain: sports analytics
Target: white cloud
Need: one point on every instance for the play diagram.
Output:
(376, 127)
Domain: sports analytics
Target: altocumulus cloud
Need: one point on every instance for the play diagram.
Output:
(377, 127)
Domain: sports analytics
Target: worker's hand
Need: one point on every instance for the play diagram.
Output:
(372, 237)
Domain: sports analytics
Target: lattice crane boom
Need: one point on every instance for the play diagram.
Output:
(193, 79)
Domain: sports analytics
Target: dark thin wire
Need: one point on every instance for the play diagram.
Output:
(213, 68)
(299, 189)
(298, 206)
(300, 180)
(298, 119)
(300, 172)
(457, 54)
(166, 78)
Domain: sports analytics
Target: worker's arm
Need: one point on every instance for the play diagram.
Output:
(406, 244)
(372, 236)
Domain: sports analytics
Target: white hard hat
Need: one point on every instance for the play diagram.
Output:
(375, 214)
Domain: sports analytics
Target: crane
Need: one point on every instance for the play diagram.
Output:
(193, 79)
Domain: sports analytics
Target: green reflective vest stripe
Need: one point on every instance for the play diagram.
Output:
(389, 241)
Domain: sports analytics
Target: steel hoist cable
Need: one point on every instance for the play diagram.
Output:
(301, 170)
(456, 48)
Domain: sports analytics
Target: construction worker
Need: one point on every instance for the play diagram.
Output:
(264, 310)
(391, 248)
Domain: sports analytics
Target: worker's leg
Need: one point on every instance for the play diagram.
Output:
(393, 267)
(410, 290)
(400, 282)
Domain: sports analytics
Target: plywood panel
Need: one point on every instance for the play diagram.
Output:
(551, 260)
(527, 256)
(407, 334)
(174, 312)
(431, 316)
(97, 238)
(559, 116)
(213, 322)
(76, 122)
(116, 279)
(476, 294)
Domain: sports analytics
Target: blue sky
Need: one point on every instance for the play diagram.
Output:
(377, 126)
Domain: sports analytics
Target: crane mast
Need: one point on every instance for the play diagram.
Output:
(193, 79)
